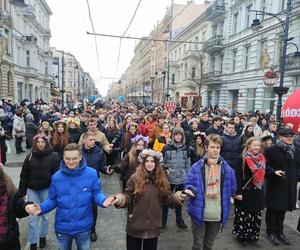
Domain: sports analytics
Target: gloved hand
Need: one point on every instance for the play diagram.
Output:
(119, 200)
(180, 197)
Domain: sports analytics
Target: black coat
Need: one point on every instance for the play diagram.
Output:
(3, 149)
(203, 126)
(37, 171)
(253, 198)
(231, 149)
(15, 209)
(212, 130)
(31, 130)
(281, 190)
(75, 134)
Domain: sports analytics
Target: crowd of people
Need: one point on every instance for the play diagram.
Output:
(214, 161)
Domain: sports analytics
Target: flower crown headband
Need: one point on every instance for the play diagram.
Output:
(138, 138)
(149, 152)
(36, 137)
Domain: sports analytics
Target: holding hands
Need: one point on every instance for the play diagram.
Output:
(33, 209)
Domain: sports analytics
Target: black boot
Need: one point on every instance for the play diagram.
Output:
(42, 242)
(33, 246)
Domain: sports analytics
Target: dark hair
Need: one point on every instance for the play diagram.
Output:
(73, 147)
(92, 120)
(34, 143)
(231, 122)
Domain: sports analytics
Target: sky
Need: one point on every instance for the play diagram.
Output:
(70, 22)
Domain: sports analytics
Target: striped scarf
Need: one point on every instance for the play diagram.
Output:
(213, 182)
(3, 212)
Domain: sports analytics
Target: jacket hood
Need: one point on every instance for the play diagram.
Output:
(76, 171)
(95, 149)
(183, 140)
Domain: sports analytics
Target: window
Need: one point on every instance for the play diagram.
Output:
(264, 7)
(248, 15)
(214, 30)
(9, 82)
(221, 63)
(234, 54)
(213, 64)
(221, 28)
(251, 95)
(203, 36)
(283, 5)
(196, 43)
(20, 91)
(235, 22)
(28, 58)
(173, 78)
(179, 53)
(247, 57)
(269, 99)
(46, 68)
(193, 72)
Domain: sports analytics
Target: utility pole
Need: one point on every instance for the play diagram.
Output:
(168, 52)
(63, 80)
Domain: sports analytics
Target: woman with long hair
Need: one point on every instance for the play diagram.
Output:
(197, 150)
(129, 163)
(163, 138)
(73, 130)
(146, 191)
(60, 137)
(46, 129)
(35, 179)
(247, 133)
(131, 132)
(11, 207)
(249, 198)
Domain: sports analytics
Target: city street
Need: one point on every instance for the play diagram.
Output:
(111, 223)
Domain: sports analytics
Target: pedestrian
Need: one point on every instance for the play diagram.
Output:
(73, 130)
(163, 138)
(231, 148)
(266, 140)
(247, 133)
(114, 136)
(73, 190)
(46, 129)
(3, 147)
(37, 170)
(146, 190)
(95, 159)
(131, 132)
(216, 127)
(130, 162)
(176, 157)
(19, 130)
(31, 129)
(249, 197)
(11, 207)
(256, 128)
(197, 149)
(204, 123)
(60, 137)
(281, 190)
(210, 183)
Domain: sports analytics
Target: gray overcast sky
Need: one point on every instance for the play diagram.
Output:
(70, 22)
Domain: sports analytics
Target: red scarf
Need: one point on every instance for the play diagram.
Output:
(257, 165)
(3, 212)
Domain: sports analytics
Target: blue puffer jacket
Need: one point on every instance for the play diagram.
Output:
(72, 192)
(231, 150)
(95, 158)
(196, 180)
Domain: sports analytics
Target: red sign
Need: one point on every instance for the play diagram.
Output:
(170, 106)
(291, 110)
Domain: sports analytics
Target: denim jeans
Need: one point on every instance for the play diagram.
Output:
(37, 196)
(82, 240)
(178, 210)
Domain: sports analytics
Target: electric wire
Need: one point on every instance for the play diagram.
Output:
(124, 33)
(96, 44)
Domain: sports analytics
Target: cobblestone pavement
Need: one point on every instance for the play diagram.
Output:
(111, 224)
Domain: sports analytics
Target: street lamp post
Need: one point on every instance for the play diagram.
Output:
(280, 90)
(62, 91)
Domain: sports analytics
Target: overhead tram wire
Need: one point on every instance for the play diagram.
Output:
(120, 43)
(142, 38)
(96, 44)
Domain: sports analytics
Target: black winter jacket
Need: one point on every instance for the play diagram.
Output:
(253, 198)
(231, 149)
(281, 190)
(37, 171)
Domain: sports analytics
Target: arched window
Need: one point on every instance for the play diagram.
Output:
(9, 82)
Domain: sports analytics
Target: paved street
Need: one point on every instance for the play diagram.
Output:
(111, 224)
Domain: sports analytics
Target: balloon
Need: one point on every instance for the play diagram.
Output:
(291, 110)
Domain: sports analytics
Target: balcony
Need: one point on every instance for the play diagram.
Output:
(214, 44)
(29, 11)
(27, 71)
(216, 10)
(292, 66)
(212, 77)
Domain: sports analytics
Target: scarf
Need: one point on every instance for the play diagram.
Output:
(257, 165)
(288, 149)
(213, 182)
(3, 212)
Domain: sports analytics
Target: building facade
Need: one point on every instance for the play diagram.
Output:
(68, 76)
(7, 87)
(31, 45)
